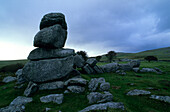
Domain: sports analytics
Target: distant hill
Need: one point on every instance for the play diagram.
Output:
(161, 54)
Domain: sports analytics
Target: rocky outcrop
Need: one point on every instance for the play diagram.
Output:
(55, 98)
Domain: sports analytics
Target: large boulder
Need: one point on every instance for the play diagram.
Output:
(31, 89)
(79, 61)
(51, 85)
(55, 98)
(125, 67)
(91, 61)
(9, 79)
(52, 19)
(51, 37)
(45, 53)
(47, 70)
(104, 106)
(111, 67)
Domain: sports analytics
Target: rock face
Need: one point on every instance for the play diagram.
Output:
(44, 53)
(161, 98)
(9, 79)
(138, 92)
(52, 19)
(47, 70)
(51, 37)
(104, 106)
(55, 98)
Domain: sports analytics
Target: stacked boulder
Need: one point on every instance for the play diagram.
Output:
(50, 64)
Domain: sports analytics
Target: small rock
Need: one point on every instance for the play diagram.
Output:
(88, 69)
(21, 100)
(13, 108)
(66, 91)
(19, 72)
(136, 70)
(138, 92)
(92, 62)
(9, 79)
(47, 109)
(161, 98)
(121, 72)
(76, 89)
(51, 85)
(98, 69)
(55, 98)
(101, 80)
(111, 67)
(19, 87)
(105, 86)
(93, 84)
(76, 81)
(104, 106)
(31, 89)
(148, 70)
(134, 63)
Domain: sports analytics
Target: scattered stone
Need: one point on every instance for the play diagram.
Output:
(138, 92)
(93, 84)
(47, 109)
(134, 63)
(47, 70)
(9, 79)
(111, 67)
(131, 84)
(31, 89)
(125, 67)
(79, 61)
(20, 77)
(136, 70)
(148, 70)
(101, 80)
(13, 108)
(98, 69)
(55, 98)
(76, 89)
(19, 72)
(53, 19)
(21, 100)
(91, 61)
(121, 72)
(51, 85)
(151, 88)
(76, 81)
(88, 69)
(161, 98)
(105, 86)
(52, 37)
(45, 53)
(96, 97)
(104, 106)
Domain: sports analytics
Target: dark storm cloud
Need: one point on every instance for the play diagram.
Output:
(94, 25)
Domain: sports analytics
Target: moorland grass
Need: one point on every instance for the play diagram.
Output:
(120, 85)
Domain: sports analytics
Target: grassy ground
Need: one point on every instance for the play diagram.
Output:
(10, 62)
(120, 85)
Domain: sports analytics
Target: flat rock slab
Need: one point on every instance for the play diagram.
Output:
(104, 106)
(55, 98)
(51, 37)
(111, 67)
(51, 85)
(76, 81)
(21, 100)
(9, 79)
(148, 70)
(44, 53)
(13, 108)
(92, 62)
(76, 89)
(88, 69)
(161, 98)
(48, 70)
(138, 92)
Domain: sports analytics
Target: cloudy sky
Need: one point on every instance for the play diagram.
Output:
(95, 26)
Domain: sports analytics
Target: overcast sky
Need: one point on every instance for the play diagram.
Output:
(95, 26)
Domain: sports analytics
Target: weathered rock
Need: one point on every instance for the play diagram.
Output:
(88, 69)
(92, 62)
(101, 80)
(121, 72)
(76, 81)
(9, 79)
(76, 89)
(134, 63)
(13, 108)
(104, 106)
(136, 70)
(47, 70)
(19, 72)
(125, 67)
(51, 85)
(55, 98)
(45, 53)
(21, 100)
(52, 19)
(79, 61)
(138, 92)
(31, 89)
(51, 37)
(96, 97)
(105, 86)
(93, 84)
(111, 67)
(161, 98)
(98, 69)
(148, 70)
